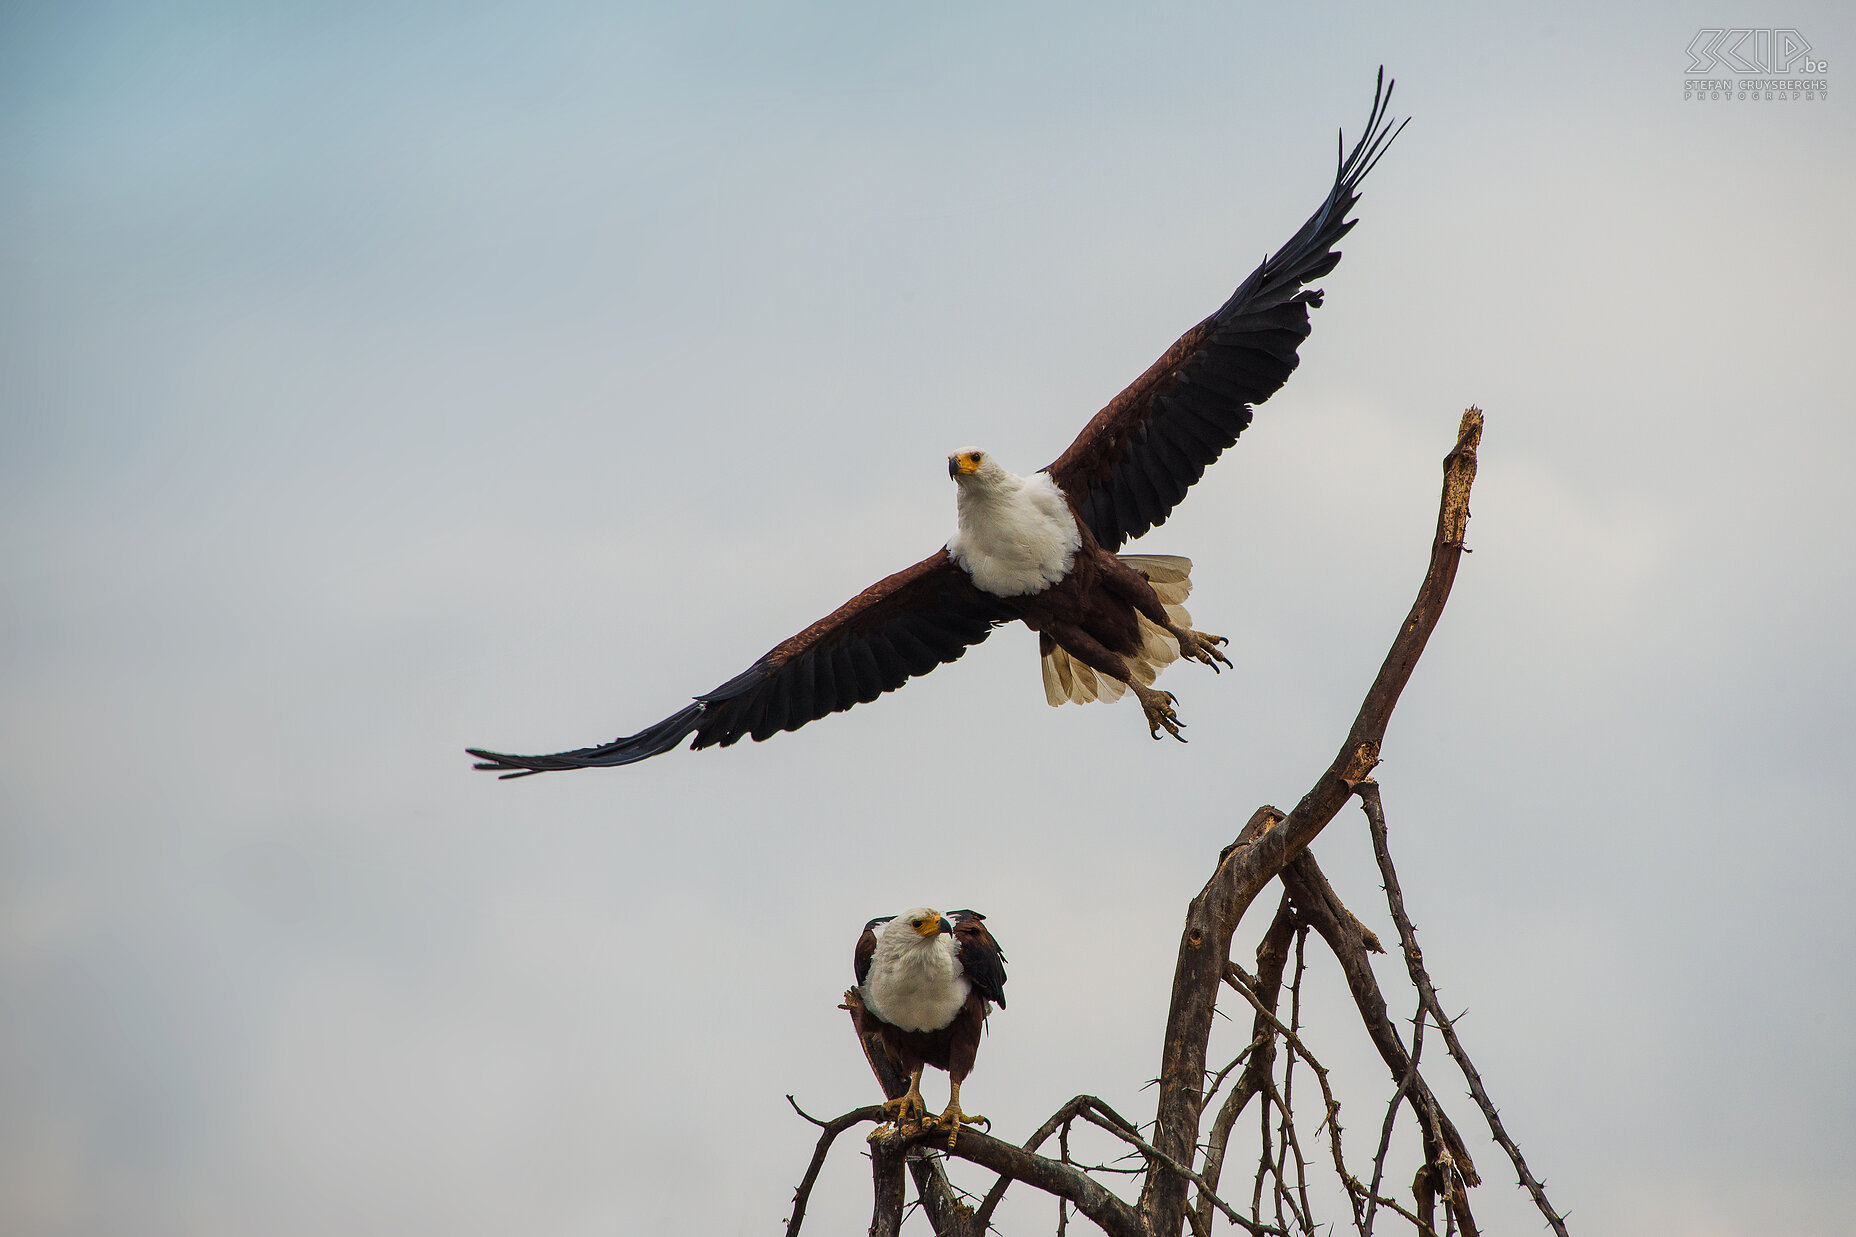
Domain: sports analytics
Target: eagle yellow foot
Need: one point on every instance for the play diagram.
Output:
(953, 1118)
(1158, 706)
(1202, 647)
(905, 1112)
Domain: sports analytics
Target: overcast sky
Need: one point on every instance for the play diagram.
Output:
(381, 379)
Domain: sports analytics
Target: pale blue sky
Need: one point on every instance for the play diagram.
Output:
(381, 379)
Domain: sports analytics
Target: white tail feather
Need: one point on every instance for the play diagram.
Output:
(1170, 575)
(1060, 680)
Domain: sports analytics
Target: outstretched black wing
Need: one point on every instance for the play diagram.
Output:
(1133, 462)
(980, 955)
(898, 628)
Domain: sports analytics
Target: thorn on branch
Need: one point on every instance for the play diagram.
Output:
(1372, 805)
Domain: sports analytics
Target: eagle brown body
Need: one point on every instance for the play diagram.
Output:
(1123, 475)
(1091, 612)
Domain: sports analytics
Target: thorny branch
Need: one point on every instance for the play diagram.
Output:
(832, 1129)
(1172, 1162)
(1272, 957)
(1368, 792)
(1392, 1107)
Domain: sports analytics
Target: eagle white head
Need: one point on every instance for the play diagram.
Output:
(972, 468)
(1014, 535)
(915, 929)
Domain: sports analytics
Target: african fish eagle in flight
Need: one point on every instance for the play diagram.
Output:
(1041, 549)
(925, 984)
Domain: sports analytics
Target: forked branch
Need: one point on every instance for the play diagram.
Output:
(1270, 840)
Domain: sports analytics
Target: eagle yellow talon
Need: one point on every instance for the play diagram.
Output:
(1158, 706)
(1202, 647)
(952, 1121)
(952, 1118)
(906, 1110)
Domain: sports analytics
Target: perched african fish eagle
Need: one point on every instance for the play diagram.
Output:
(925, 984)
(1041, 549)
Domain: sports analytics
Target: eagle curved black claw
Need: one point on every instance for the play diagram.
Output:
(1158, 706)
(1202, 647)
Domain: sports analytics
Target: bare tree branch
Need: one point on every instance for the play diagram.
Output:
(1392, 1107)
(1063, 1204)
(1331, 1121)
(832, 1129)
(1285, 1102)
(1316, 899)
(1272, 957)
(1061, 1118)
(886, 1161)
(1270, 840)
(1109, 1212)
(1102, 1116)
(1370, 803)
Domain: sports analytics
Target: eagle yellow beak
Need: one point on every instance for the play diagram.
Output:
(963, 465)
(934, 925)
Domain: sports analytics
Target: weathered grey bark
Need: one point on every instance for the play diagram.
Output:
(886, 1189)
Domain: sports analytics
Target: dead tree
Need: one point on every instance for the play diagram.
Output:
(1179, 1157)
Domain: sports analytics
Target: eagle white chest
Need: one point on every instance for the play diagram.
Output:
(917, 984)
(1015, 535)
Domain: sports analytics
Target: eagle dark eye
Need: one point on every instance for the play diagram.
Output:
(916, 923)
